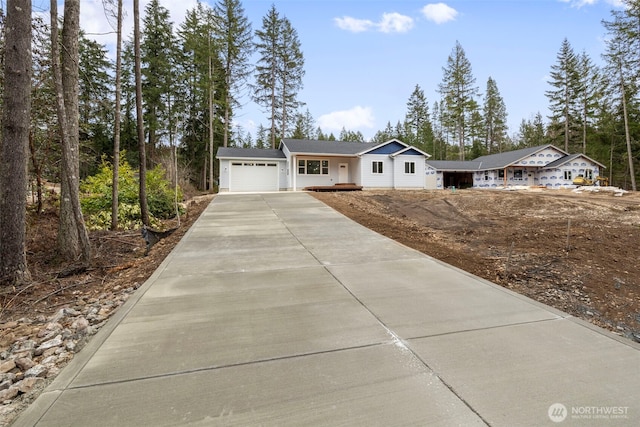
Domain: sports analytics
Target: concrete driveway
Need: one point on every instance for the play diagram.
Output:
(275, 310)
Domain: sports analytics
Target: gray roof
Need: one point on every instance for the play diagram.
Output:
(561, 161)
(502, 160)
(455, 165)
(253, 153)
(343, 148)
(489, 162)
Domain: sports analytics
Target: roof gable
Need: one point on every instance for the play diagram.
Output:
(575, 159)
(389, 147)
(411, 151)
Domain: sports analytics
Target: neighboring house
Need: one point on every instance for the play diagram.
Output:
(544, 166)
(298, 164)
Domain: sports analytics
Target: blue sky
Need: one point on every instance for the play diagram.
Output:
(363, 58)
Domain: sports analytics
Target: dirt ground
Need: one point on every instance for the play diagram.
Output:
(578, 252)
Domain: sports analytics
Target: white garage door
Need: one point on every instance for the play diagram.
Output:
(253, 176)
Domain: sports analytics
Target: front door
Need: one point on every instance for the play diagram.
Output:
(531, 179)
(343, 173)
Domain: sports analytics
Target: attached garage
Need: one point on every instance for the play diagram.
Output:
(245, 170)
(253, 176)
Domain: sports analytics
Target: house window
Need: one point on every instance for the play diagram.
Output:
(501, 173)
(376, 167)
(588, 173)
(486, 175)
(567, 175)
(410, 167)
(517, 174)
(313, 167)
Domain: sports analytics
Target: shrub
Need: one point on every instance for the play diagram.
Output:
(96, 197)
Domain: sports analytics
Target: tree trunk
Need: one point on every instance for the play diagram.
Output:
(632, 172)
(14, 143)
(37, 170)
(73, 239)
(116, 130)
(144, 209)
(209, 185)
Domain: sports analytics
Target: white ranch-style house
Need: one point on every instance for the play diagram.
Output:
(300, 164)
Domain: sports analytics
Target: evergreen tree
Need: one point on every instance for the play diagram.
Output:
(418, 127)
(565, 95)
(95, 103)
(128, 131)
(305, 126)
(350, 136)
(590, 98)
(531, 132)
(290, 78)
(495, 118)
(262, 140)
(459, 92)
(44, 142)
(622, 67)
(158, 48)
(202, 75)
(279, 72)
(234, 40)
(384, 135)
(440, 133)
(477, 132)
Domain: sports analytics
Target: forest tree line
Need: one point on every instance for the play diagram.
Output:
(171, 96)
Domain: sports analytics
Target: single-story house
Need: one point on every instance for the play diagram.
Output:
(298, 164)
(542, 166)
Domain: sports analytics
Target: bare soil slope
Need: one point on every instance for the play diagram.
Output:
(578, 252)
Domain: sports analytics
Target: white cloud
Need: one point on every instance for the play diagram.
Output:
(579, 3)
(395, 23)
(390, 23)
(439, 13)
(352, 24)
(355, 118)
(619, 4)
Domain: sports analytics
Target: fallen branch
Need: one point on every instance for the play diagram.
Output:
(7, 305)
(50, 294)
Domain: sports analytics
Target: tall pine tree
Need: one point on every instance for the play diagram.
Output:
(235, 41)
(458, 91)
(564, 96)
(495, 119)
(279, 72)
